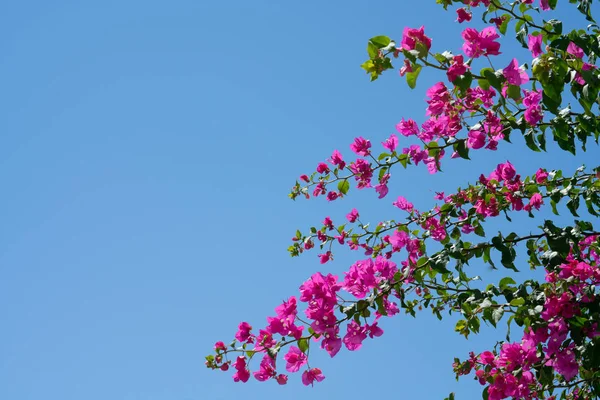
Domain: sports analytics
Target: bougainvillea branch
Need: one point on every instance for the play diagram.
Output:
(429, 259)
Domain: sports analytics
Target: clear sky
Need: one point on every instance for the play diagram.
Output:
(146, 153)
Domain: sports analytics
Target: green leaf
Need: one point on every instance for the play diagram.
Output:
(504, 25)
(372, 50)
(463, 82)
(380, 41)
(461, 148)
(343, 186)
(519, 301)
(411, 77)
(492, 78)
(303, 345)
(505, 282)
(497, 314)
(514, 92)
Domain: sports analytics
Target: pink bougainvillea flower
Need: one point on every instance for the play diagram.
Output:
(497, 21)
(535, 201)
(533, 113)
(322, 168)
(352, 216)
(457, 68)
(407, 67)
(312, 375)
(361, 146)
(575, 50)
(267, 369)
(242, 373)
(544, 5)
(541, 176)
(408, 127)
(220, 346)
(355, 336)
(391, 143)
(463, 15)
(336, 159)
(411, 37)
(535, 45)
(476, 139)
(514, 74)
(243, 333)
(295, 359)
(403, 204)
(482, 43)
(506, 171)
(325, 257)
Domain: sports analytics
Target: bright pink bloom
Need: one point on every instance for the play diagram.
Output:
(533, 113)
(295, 359)
(506, 171)
(487, 358)
(361, 146)
(242, 373)
(586, 67)
(319, 189)
(514, 74)
(243, 333)
(407, 67)
(415, 153)
(482, 43)
(282, 379)
(355, 336)
(311, 375)
(264, 340)
(391, 143)
(432, 165)
(403, 204)
(407, 128)
(322, 168)
(336, 159)
(352, 216)
(541, 176)
(535, 45)
(267, 369)
(284, 322)
(332, 343)
(360, 278)
(374, 330)
(411, 37)
(575, 50)
(463, 15)
(325, 257)
(398, 240)
(497, 21)
(220, 346)
(382, 189)
(544, 5)
(476, 139)
(439, 99)
(363, 172)
(457, 68)
(477, 93)
(565, 363)
(535, 201)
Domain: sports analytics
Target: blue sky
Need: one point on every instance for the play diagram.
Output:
(146, 153)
